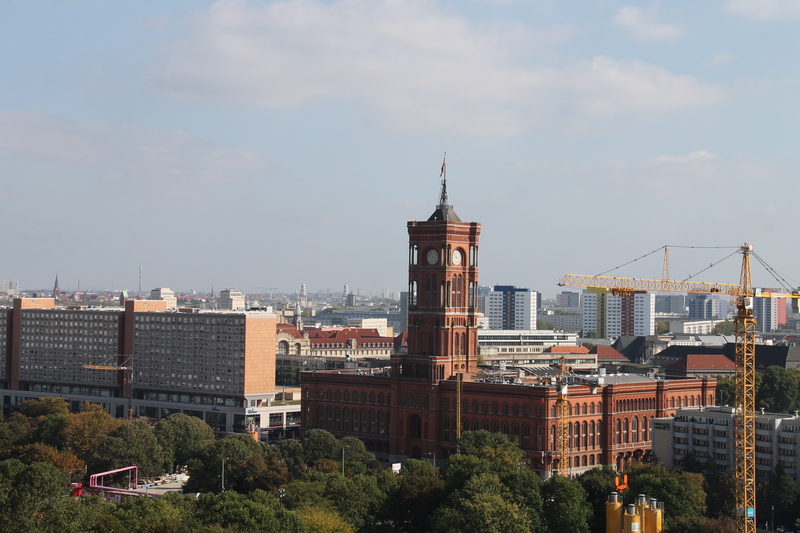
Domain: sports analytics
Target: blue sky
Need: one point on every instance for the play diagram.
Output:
(268, 144)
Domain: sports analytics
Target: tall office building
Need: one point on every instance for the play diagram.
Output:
(569, 299)
(606, 315)
(217, 366)
(511, 307)
(673, 304)
(708, 307)
(769, 313)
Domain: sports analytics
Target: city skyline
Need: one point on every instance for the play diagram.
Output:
(267, 144)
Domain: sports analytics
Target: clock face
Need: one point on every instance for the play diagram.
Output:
(433, 257)
(457, 257)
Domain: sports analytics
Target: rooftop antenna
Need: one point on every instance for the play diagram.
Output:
(140, 278)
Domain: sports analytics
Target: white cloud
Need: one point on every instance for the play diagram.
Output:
(765, 9)
(642, 24)
(104, 152)
(408, 64)
(606, 86)
(698, 155)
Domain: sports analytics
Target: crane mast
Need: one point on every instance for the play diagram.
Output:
(745, 416)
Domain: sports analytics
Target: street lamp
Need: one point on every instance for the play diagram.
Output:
(433, 454)
(223, 473)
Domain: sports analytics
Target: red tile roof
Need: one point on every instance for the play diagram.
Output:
(704, 362)
(567, 349)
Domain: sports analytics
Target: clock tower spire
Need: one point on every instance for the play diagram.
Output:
(442, 293)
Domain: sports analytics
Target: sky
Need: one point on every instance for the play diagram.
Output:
(260, 145)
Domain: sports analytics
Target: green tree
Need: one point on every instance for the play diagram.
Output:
(566, 508)
(780, 491)
(542, 324)
(45, 406)
(319, 444)
(290, 451)
(357, 459)
(598, 484)
(37, 452)
(421, 490)
(778, 390)
(236, 452)
(258, 512)
(27, 492)
(726, 390)
(84, 431)
(359, 499)
(496, 447)
(483, 505)
(681, 492)
(133, 443)
(662, 327)
(50, 431)
(725, 328)
(179, 435)
(320, 520)
(14, 430)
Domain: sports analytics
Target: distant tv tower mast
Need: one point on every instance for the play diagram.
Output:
(140, 278)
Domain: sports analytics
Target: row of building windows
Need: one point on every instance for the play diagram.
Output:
(330, 395)
(354, 420)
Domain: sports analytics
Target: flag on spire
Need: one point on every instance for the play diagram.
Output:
(444, 164)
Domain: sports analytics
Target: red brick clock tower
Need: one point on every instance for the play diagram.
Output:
(442, 293)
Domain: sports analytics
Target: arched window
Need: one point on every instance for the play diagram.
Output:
(625, 436)
(446, 405)
(505, 408)
(672, 402)
(475, 424)
(474, 406)
(538, 436)
(591, 408)
(538, 411)
(515, 429)
(584, 436)
(618, 434)
(446, 428)
(338, 419)
(591, 434)
(495, 408)
(495, 426)
(584, 409)
(372, 421)
(356, 426)
(283, 348)
(576, 433)
(577, 461)
(634, 429)
(505, 428)
(485, 424)
(526, 436)
(381, 398)
(329, 425)
(321, 417)
(485, 406)
(381, 423)
(363, 397)
(346, 413)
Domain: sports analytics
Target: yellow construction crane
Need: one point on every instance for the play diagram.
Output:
(744, 420)
(127, 367)
(562, 423)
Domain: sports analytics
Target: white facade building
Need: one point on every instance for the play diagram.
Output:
(168, 295)
(230, 300)
(510, 307)
(707, 434)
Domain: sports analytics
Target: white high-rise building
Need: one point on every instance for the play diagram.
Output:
(510, 307)
(644, 314)
(769, 313)
(230, 300)
(607, 315)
